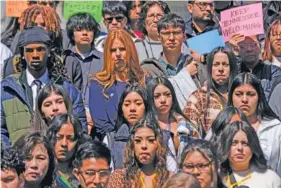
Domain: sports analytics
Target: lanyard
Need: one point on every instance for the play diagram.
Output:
(229, 185)
(154, 176)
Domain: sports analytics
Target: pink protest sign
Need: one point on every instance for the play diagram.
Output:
(246, 20)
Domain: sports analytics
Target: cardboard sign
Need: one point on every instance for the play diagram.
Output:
(206, 42)
(15, 8)
(92, 7)
(246, 20)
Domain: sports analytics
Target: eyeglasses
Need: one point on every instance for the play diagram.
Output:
(203, 5)
(117, 18)
(167, 34)
(91, 174)
(202, 167)
(153, 16)
(248, 45)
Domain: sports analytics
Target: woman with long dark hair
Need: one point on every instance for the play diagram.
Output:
(144, 163)
(133, 106)
(205, 103)
(242, 162)
(66, 134)
(246, 93)
(225, 117)
(169, 115)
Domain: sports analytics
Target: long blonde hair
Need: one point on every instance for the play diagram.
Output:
(107, 76)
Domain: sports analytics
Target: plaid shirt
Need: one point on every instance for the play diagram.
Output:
(197, 111)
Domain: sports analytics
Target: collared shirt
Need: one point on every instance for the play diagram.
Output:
(91, 63)
(44, 80)
(170, 69)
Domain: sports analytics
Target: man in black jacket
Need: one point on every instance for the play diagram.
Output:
(249, 51)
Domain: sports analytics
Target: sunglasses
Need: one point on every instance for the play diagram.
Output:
(117, 18)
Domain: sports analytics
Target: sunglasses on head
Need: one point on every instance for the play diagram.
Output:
(117, 18)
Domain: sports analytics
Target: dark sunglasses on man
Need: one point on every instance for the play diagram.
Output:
(117, 18)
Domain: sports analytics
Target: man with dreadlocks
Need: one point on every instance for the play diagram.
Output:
(38, 67)
(41, 16)
(46, 17)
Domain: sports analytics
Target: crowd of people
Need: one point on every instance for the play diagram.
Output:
(136, 106)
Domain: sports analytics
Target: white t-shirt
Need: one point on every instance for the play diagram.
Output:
(258, 179)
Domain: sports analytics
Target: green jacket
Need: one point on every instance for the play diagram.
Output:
(16, 107)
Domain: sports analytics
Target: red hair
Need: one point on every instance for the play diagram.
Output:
(267, 54)
(107, 76)
(49, 15)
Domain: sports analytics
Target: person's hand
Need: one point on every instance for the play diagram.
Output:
(90, 122)
(235, 40)
(192, 68)
(195, 55)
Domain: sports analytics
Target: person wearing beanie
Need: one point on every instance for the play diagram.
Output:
(37, 67)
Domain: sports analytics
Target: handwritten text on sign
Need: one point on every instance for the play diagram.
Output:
(92, 7)
(247, 20)
(15, 8)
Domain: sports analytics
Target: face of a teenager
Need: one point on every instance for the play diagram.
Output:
(65, 142)
(153, 15)
(172, 38)
(246, 98)
(83, 37)
(36, 165)
(145, 145)
(10, 178)
(114, 22)
(201, 10)
(93, 173)
(118, 56)
(53, 105)
(199, 166)
(133, 108)
(275, 41)
(36, 57)
(221, 68)
(240, 152)
(135, 11)
(163, 99)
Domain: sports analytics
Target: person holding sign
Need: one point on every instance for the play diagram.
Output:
(249, 51)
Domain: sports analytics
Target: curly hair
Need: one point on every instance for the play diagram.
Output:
(10, 159)
(49, 15)
(131, 164)
(51, 23)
